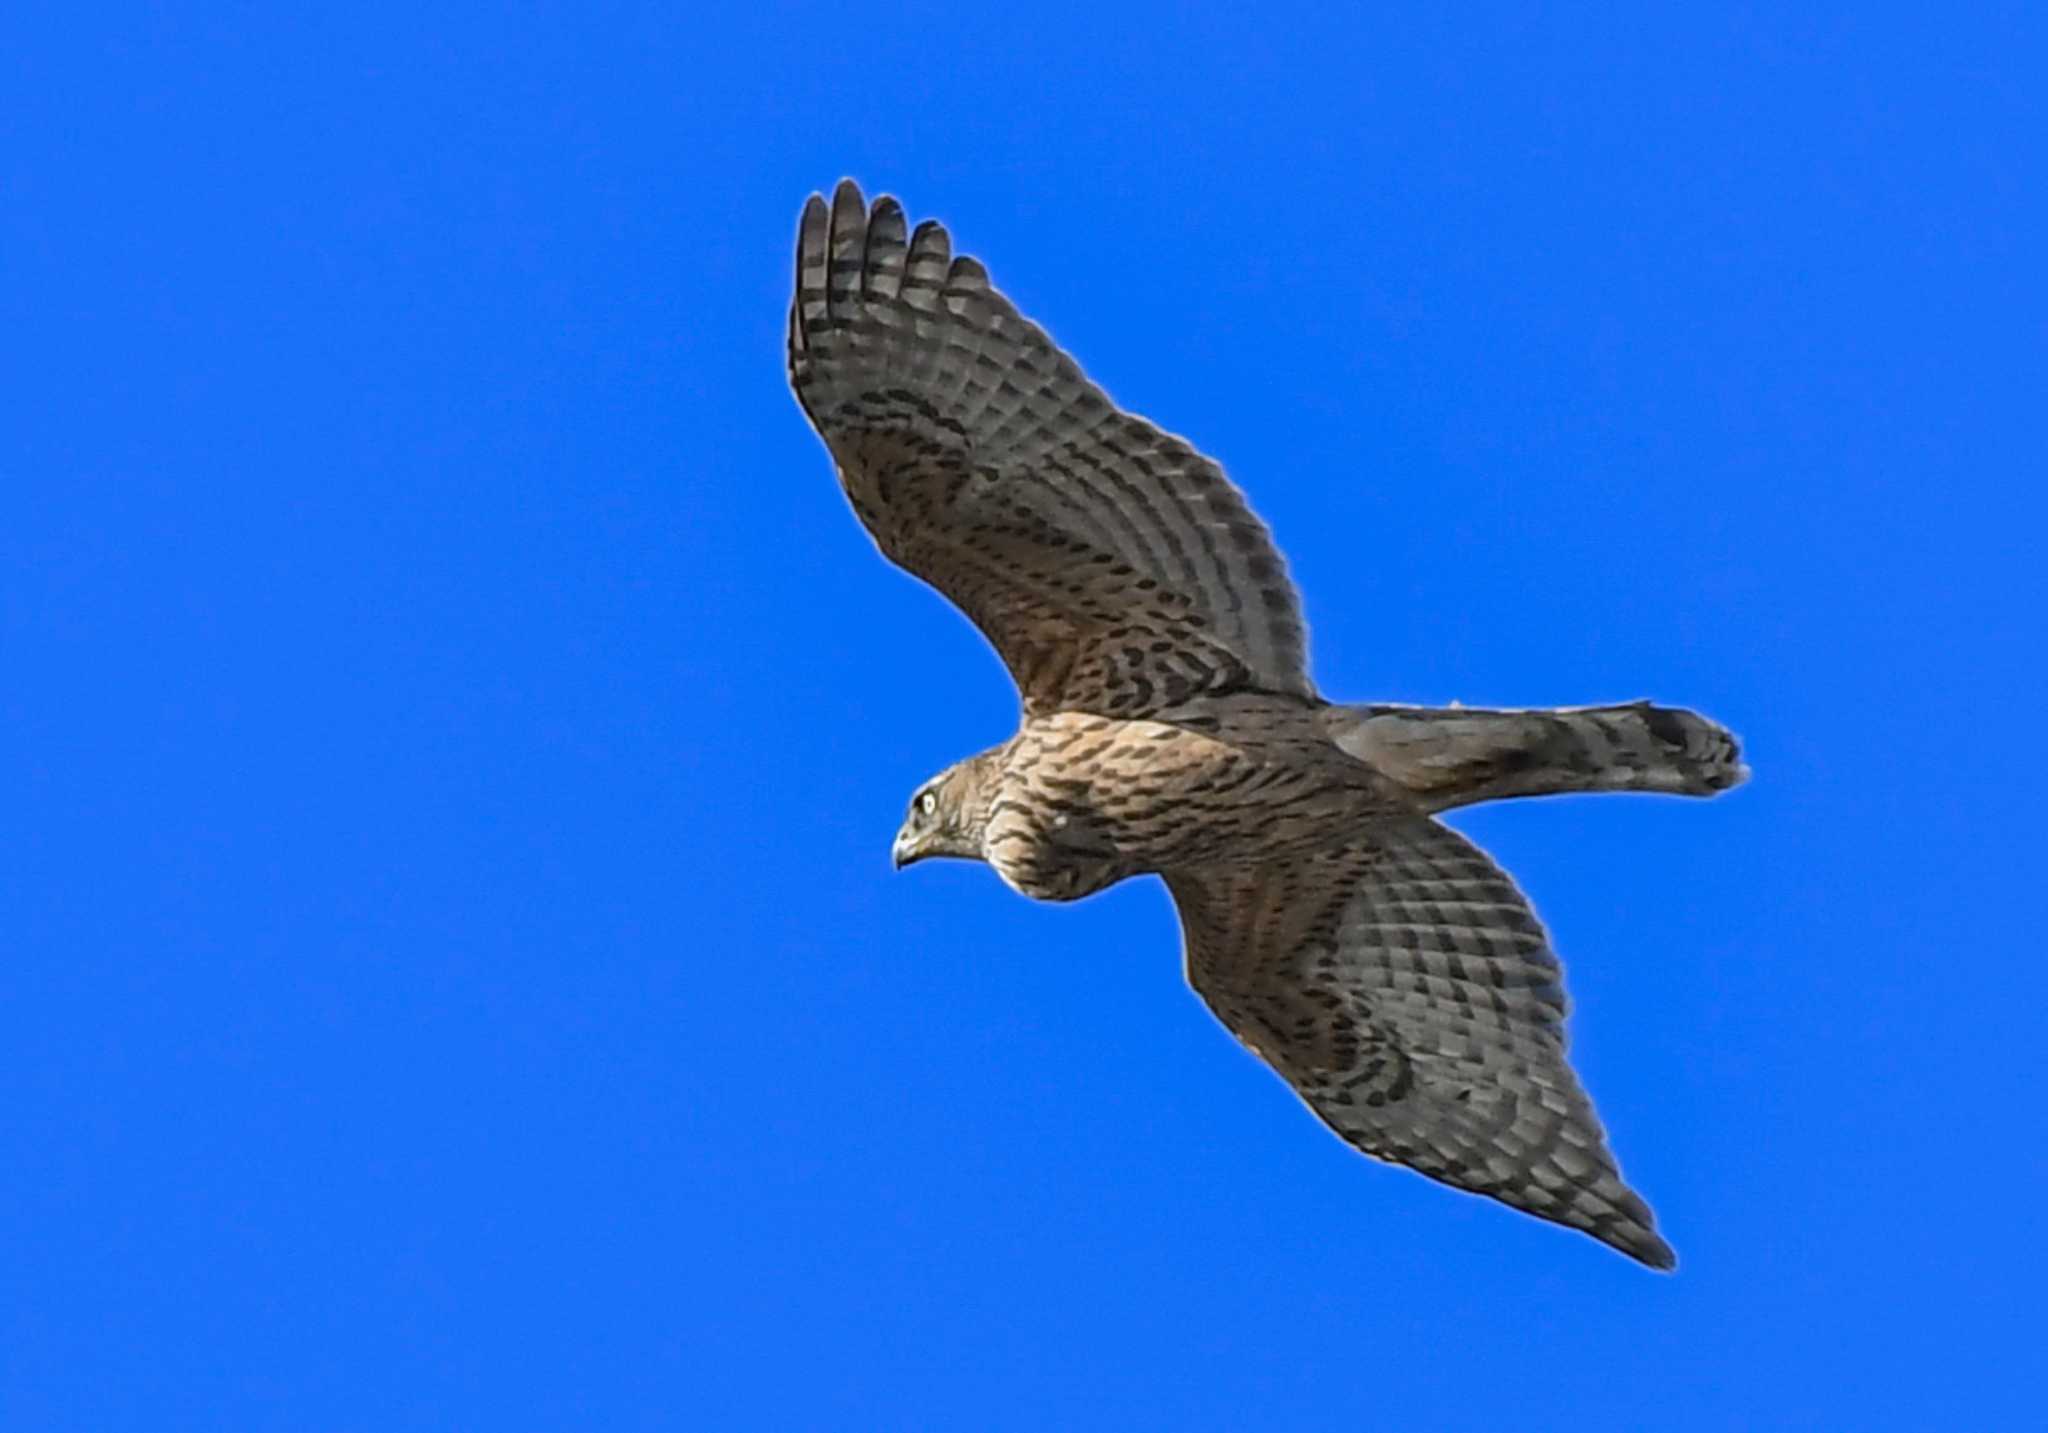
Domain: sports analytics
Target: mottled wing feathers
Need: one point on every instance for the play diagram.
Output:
(1402, 986)
(1114, 567)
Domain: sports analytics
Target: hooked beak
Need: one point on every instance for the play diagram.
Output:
(904, 852)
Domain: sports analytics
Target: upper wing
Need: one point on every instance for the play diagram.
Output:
(1114, 568)
(1402, 986)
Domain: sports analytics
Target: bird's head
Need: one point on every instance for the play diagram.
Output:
(946, 815)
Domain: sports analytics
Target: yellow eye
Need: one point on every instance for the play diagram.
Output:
(927, 803)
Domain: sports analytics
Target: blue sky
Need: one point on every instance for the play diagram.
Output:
(453, 728)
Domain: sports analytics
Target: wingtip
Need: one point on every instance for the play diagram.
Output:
(811, 223)
(967, 273)
(821, 216)
(811, 226)
(1654, 1253)
(887, 250)
(813, 236)
(1628, 1227)
(849, 216)
(1639, 1240)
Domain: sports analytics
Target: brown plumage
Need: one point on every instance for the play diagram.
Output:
(1379, 961)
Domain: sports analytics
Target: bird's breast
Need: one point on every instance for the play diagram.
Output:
(1087, 799)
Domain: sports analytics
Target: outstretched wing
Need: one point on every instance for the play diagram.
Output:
(1114, 567)
(1402, 986)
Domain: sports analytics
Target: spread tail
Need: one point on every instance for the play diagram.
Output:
(1454, 756)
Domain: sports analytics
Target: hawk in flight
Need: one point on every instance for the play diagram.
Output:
(1380, 962)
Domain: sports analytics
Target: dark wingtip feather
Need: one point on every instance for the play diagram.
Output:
(848, 245)
(813, 236)
(1646, 1248)
(1628, 1226)
(887, 249)
(967, 273)
(931, 252)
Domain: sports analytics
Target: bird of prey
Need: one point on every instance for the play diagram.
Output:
(1381, 963)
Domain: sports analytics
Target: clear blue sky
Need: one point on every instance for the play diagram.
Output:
(451, 727)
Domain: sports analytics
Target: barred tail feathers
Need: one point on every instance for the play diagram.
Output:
(1454, 756)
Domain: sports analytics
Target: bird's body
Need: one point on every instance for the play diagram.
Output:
(1084, 800)
(1378, 960)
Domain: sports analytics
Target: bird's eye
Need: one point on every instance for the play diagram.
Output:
(927, 803)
